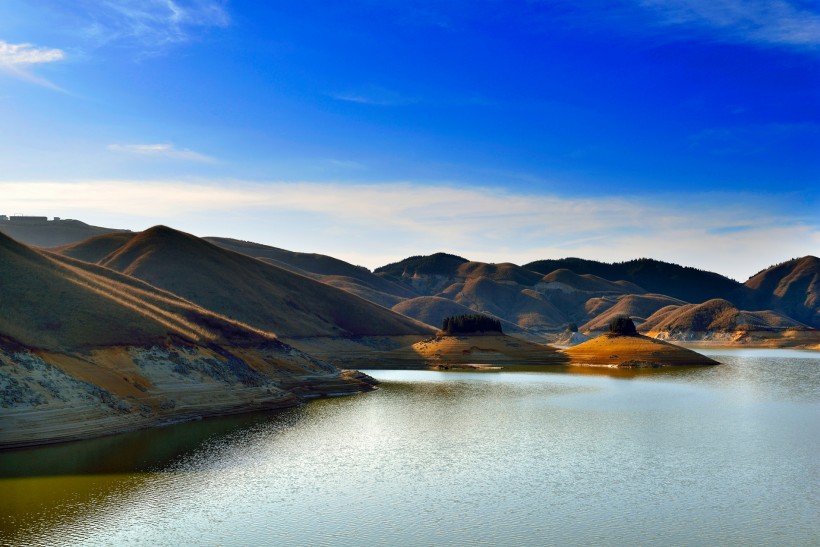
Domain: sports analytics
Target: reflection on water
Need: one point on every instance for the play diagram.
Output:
(716, 455)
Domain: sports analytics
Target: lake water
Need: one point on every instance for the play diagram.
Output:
(726, 455)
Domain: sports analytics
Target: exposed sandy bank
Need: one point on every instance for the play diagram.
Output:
(48, 397)
(786, 338)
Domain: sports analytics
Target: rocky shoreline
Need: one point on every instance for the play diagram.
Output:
(48, 397)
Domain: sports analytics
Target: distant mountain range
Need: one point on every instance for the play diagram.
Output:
(534, 301)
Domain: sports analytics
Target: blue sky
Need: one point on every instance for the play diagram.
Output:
(686, 130)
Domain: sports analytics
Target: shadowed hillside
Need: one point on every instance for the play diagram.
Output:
(343, 275)
(434, 264)
(51, 233)
(569, 281)
(249, 290)
(792, 288)
(502, 273)
(720, 320)
(527, 308)
(434, 309)
(638, 307)
(535, 303)
(55, 303)
(682, 282)
(95, 249)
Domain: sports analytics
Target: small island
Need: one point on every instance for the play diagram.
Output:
(477, 342)
(623, 347)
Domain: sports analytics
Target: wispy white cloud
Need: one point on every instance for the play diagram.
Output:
(18, 59)
(161, 150)
(778, 22)
(27, 54)
(374, 95)
(149, 24)
(376, 224)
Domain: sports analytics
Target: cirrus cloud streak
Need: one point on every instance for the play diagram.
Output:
(17, 60)
(161, 150)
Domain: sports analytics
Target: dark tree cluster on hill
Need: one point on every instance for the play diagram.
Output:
(468, 324)
(623, 326)
(684, 282)
(435, 264)
(773, 266)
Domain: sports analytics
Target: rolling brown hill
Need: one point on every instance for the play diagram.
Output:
(506, 273)
(538, 304)
(682, 282)
(526, 307)
(95, 249)
(567, 280)
(248, 290)
(54, 303)
(338, 273)
(638, 307)
(792, 288)
(715, 319)
(86, 351)
(434, 309)
(51, 233)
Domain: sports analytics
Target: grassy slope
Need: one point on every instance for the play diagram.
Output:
(590, 283)
(51, 233)
(332, 271)
(250, 290)
(57, 303)
(792, 287)
(638, 307)
(682, 282)
(716, 315)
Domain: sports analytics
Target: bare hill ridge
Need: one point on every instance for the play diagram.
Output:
(55, 303)
(538, 304)
(638, 307)
(716, 315)
(792, 288)
(568, 280)
(432, 310)
(249, 290)
(719, 320)
(51, 233)
(354, 279)
(682, 282)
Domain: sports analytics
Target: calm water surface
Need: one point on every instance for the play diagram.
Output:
(722, 455)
